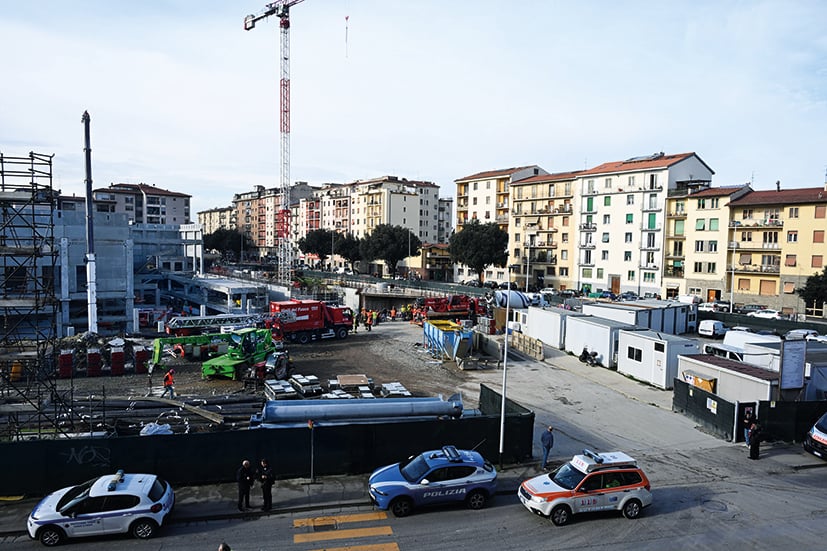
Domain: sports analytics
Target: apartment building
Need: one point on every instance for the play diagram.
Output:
(219, 218)
(396, 201)
(485, 197)
(445, 219)
(697, 234)
(776, 242)
(543, 234)
(258, 214)
(621, 212)
(143, 204)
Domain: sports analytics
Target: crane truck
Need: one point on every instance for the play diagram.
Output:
(302, 321)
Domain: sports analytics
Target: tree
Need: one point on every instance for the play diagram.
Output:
(479, 246)
(349, 247)
(814, 290)
(229, 243)
(390, 244)
(319, 242)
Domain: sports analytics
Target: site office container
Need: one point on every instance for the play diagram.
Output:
(652, 357)
(595, 334)
(548, 325)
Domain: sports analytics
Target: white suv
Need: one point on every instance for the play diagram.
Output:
(112, 504)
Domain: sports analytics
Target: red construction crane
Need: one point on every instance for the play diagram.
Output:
(281, 9)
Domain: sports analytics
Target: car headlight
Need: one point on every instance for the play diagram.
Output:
(538, 499)
(375, 490)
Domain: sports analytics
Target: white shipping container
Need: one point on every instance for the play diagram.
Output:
(597, 335)
(652, 357)
(548, 325)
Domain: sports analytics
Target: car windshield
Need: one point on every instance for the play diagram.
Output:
(567, 476)
(415, 469)
(75, 495)
(821, 424)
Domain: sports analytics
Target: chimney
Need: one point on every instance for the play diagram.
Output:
(778, 185)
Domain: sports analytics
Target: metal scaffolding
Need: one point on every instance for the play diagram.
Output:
(28, 309)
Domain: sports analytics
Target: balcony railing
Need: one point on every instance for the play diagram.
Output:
(673, 235)
(651, 207)
(588, 227)
(749, 223)
(673, 272)
(587, 245)
(758, 268)
(677, 214)
(746, 245)
(646, 227)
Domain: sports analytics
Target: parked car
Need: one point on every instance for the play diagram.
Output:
(766, 314)
(707, 307)
(628, 295)
(747, 308)
(589, 482)
(136, 504)
(809, 334)
(432, 478)
(491, 285)
(608, 294)
(711, 328)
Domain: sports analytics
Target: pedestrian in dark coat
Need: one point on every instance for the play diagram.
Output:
(547, 441)
(245, 478)
(267, 479)
(754, 440)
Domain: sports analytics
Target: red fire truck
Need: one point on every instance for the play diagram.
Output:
(302, 321)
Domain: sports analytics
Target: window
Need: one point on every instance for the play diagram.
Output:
(633, 353)
(699, 246)
(701, 204)
(607, 219)
(713, 224)
(743, 284)
(711, 268)
(627, 256)
(746, 214)
(607, 201)
(604, 255)
(564, 272)
(713, 246)
(698, 267)
(648, 277)
(600, 273)
(770, 237)
(700, 224)
(789, 287)
(607, 183)
(627, 237)
(793, 212)
(679, 227)
(630, 199)
(818, 236)
(590, 186)
(565, 238)
(630, 275)
(818, 261)
(746, 236)
(630, 218)
(605, 237)
(587, 273)
(792, 236)
(475, 186)
(790, 260)
(820, 210)
(564, 255)
(631, 181)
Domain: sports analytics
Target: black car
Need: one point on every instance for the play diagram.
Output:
(749, 308)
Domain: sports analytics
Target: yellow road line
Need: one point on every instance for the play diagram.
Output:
(343, 534)
(374, 547)
(339, 519)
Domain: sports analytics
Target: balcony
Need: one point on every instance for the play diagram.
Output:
(587, 263)
(587, 210)
(646, 227)
(566, 209)
(502, 219)
(749, 245)
(650, 247)
(673, 272)
(588, 227)
(675, 236)
(651, 207)
(648, 266)
(757, 269)
(587, 245)
(749, 223)
(675, 255)
(677, 214)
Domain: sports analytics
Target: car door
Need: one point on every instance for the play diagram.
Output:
(589, 496)
(118, 512)
(445, 484)
(84, 518)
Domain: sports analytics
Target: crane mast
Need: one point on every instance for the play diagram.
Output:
(281, 9)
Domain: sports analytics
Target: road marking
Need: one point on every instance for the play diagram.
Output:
(343, 534)
(373, 547)
(339, 519)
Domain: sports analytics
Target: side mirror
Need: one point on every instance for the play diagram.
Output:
(425, 482)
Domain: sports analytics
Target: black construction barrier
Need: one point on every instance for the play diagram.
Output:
(38, 467)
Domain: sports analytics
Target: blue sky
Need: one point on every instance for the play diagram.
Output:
(180, 96)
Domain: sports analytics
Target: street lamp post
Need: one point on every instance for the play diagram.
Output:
(505, 373)
(732, 278)
(527, 267)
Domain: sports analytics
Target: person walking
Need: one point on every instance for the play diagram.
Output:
(547, 441)
(245, 478)
(267, 479)
(169, 384)
(358, 321)
(368, 320)
(749, 419)
(754, 440)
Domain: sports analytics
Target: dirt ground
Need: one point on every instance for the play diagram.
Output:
(391, 352)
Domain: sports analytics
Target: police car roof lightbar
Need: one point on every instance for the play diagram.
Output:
(593, 455)
(451, 453)
(113, 483)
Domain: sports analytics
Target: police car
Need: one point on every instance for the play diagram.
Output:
(589, 482)
(432, 478)
(112, 504)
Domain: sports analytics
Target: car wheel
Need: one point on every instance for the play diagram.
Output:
(561, 515)
(143, 529)
(304, 338)
(51, 536)
(341, 333)
(476, 499)
(401, 506)
(632, 509)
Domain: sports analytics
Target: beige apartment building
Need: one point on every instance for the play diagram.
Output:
(776, 242)
(144, 204)
(696, 241)
(219, 218)
(542, 235)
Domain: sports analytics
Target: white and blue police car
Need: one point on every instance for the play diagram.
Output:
(122, 503)
(433, 478)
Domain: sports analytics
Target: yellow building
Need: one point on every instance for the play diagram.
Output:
(776, 243)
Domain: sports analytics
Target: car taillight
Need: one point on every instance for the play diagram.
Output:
(156, 508)
(647, 487)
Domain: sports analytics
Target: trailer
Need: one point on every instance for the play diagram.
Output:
(548, 325)
(652, 357)
(595, 335)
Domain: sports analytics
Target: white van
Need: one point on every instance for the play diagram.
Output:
(711, 328)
